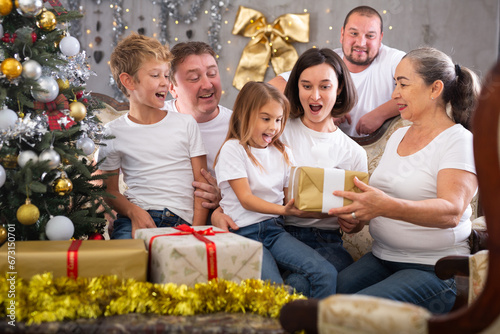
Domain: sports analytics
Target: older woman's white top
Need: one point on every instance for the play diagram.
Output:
(414, 177)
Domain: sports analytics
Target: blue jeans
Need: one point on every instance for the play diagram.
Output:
(122, 226)
(407, 282)
(328, 243)
(284, 252)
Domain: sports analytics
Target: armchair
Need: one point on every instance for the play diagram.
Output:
(363, 314)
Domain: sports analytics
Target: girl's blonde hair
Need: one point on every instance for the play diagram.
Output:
(252, 97)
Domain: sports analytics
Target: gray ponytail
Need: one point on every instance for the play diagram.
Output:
(461, 85)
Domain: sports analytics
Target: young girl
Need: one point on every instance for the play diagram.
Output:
(252, 169)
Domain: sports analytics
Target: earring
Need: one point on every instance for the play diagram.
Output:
(432, 97)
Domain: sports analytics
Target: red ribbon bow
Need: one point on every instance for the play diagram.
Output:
(210, 245)
(53, 111)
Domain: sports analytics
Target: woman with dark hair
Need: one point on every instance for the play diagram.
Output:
(320, 89)
(418, 201)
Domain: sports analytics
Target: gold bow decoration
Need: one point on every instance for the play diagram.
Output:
(268, 42)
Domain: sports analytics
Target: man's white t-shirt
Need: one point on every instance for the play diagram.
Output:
(213, 132)
(374, 85)
(414, 178)
(266, 183)
(155, 160)
(326, 150)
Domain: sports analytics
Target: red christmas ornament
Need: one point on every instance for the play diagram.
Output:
(34, 36)
(96, 236)
(79, 95)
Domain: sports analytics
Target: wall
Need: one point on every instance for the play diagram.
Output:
(465, 29)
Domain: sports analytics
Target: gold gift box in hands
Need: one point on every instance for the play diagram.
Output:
(312, 187)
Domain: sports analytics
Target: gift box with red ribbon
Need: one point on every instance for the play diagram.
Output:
(189, 255)
(75, 258)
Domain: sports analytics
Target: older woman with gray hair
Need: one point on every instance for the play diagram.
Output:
(418, 201)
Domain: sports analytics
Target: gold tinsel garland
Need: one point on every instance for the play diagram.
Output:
(45, 298)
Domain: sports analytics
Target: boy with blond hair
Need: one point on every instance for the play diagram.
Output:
(160, 153)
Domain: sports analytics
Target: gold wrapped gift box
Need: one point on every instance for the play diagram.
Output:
(123, 258)
(312, 187)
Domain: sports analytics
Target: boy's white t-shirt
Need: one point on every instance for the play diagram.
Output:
(213, 132)
(155, 160)
(267, 183)
(414, 178)
(326, 150)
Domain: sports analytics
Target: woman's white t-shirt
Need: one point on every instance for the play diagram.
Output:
(326, 150)
(414, 178)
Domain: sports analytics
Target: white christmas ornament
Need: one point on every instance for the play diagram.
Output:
(49, 84)
(52, 156)
(32, 69)
(8, 118)
(69, 46)
(86, 145)
(3, 176)
(25, 156)
(59, 228)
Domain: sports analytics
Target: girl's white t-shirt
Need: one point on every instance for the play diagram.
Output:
(266, 183)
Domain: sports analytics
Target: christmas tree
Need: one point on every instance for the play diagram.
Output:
(48, 130)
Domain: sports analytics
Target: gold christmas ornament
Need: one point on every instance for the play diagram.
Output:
(46, 21)
(28, 213)
(62, 185)
(9, 161)
(63, 84)
(77, 110)
(3, 235)
(5, 7)
(11, 68)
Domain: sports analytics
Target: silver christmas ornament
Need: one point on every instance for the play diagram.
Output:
(31, 69)
(29, 8)
(51, 88)
(3, 176)
(52, 156)
(86, 145)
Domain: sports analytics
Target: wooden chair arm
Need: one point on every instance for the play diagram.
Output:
(300, 315)
(456, 266)
(450, 266)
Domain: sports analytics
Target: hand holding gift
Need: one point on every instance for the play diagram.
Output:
(365, 205)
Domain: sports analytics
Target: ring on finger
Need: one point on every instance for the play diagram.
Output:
(353, 215)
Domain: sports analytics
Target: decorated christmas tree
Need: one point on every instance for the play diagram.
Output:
(48, 130)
